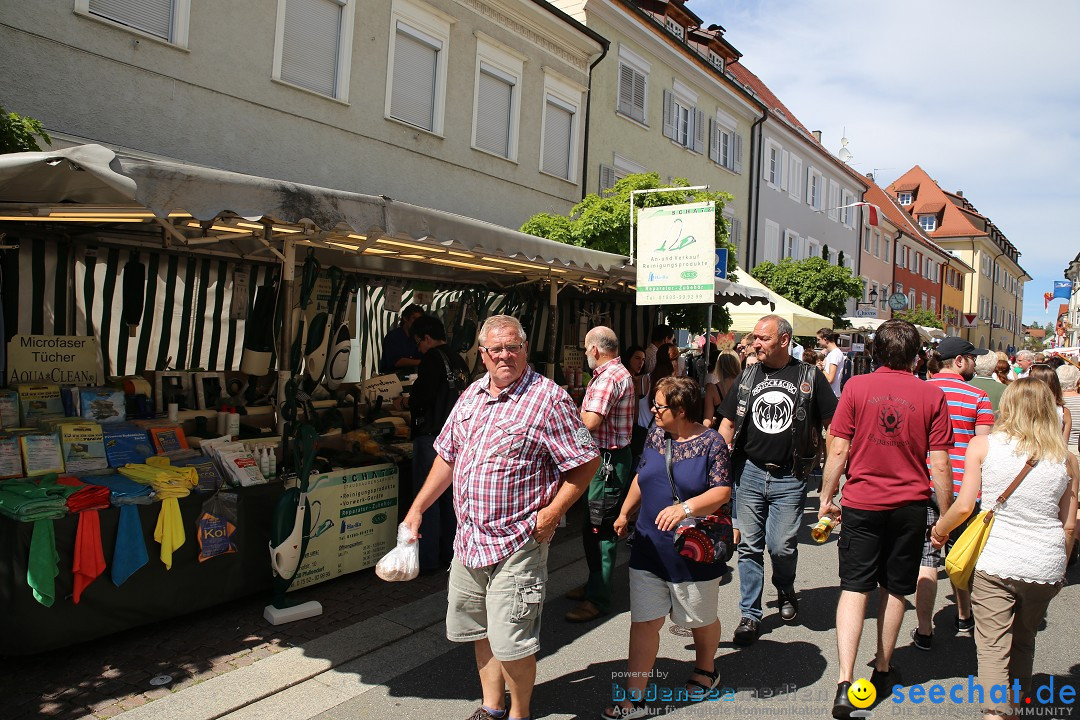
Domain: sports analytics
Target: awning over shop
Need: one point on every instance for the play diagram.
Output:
(732, 293)
(803, 321)
(870, 325)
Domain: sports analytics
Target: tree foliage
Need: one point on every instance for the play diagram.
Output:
(812, 283)
(602, 222)
(19, 133)
(919, 316)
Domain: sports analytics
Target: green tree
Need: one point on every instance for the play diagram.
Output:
(919, 316)
(812, 283)
(602, 222)
(19, 133)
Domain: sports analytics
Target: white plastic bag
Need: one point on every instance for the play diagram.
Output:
(403, 562)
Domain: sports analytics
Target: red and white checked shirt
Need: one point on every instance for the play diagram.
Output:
(508, 453)
(611, 394)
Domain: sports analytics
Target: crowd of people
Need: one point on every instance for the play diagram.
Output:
(658, 456)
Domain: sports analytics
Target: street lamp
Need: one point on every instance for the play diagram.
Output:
(873, 299)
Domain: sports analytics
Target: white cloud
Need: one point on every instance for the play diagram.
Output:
(983, 95)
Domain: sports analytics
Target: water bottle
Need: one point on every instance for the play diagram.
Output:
(820, 531)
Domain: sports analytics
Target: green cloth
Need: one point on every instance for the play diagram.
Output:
(31, 499)
(601, 544)
(44, 563)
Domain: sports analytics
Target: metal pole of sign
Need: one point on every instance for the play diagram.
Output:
(708, 338)
(652, 190)
(553, 326)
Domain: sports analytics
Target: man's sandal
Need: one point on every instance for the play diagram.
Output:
(618, 712)
(701, 690)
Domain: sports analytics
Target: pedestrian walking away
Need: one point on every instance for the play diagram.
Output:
(886, 423)
(608, 411)
(1022, 565)
(518, 457)
(773, 418)
(970, 414)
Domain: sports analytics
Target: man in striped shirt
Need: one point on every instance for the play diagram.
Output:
(971, 414)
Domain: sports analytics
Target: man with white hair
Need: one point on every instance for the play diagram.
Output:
(518, 456)
(984, 378)
(1024, 360)
(608, 411)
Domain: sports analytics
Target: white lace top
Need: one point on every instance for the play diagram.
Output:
(1027, 541)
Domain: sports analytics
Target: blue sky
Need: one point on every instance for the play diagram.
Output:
(985, 96)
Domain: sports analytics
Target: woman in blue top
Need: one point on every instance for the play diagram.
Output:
(662, 582)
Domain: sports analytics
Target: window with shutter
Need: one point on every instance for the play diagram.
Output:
(699, 131)
(558, 134)
(772, 242)
(166, 19)
(795, 177)
(311, 45)
(631, 93)
(834, 194)
(416, 81)
(496, 100)
(738, 153)
(607, 178)
(785, 159)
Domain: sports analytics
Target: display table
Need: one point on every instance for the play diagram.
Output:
(150, 595)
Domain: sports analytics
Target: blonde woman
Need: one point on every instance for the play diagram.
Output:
(1022, 566)
(726, 367)
(1043, 373)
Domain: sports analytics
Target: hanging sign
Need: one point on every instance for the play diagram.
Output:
(238, 307)
(58, 359)
(353, 522)
(392, 298)
(676, 254)
(721, 263)
(968, 320)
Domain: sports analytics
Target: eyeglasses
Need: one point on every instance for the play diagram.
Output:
(659, 408)
(513, 349)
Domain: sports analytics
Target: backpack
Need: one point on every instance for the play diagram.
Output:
(805, 426)
(456, 382)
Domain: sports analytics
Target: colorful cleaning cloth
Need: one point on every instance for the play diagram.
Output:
(88, 560)
(130, 552)
(170, 484)
(124, 491)
(43, 565)
(25, 500)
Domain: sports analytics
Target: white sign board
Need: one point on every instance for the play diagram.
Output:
(676, 254)
(389, 386)
(56, 359)
(866, 312)
(858, 347)
(392, 298)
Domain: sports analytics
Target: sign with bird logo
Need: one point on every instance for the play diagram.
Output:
(676, 254)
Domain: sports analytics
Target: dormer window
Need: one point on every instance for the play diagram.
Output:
(928, 222)
(716, 61)
(676, 29)
(904, 198)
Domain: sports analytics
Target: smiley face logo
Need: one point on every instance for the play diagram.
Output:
(862, 693)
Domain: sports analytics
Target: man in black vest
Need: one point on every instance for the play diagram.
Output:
(441, 377)
(773, 416)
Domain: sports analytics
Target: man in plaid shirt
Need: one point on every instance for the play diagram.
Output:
(518, 457)
(608, 413)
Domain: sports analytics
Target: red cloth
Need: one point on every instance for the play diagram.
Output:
(892, 419)
(88, 497)
(89, 559)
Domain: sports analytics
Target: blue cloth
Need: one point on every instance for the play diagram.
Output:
(770, 509)
(653, 550)
(397, 345)
(129, 554)
(124, 491)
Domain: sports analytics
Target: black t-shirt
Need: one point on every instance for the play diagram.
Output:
(766, 432)
(432, 397)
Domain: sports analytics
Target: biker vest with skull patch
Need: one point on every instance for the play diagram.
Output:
(778, 414)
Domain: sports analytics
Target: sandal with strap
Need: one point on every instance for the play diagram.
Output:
(618, 712)
(702, 689)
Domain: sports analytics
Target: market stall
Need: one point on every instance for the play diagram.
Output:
(169, 267)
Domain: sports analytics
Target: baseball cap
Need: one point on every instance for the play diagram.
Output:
(952, 347)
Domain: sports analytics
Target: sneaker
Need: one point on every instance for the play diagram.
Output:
(746, 633)
(789, 606)
(922, 642)
(842, 707)
(965, 626)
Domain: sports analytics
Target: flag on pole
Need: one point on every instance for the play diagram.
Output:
(1047, 297)
(1062, 289)
(873, 212)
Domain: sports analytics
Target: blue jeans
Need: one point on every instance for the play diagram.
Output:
(770, 510)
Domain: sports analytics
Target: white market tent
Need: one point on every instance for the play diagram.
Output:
(803, 322)
(870, 325)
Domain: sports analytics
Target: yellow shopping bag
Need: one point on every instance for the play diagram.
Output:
(960, 562)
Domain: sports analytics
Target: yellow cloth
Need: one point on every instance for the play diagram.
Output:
(169, 483)
(169, 530)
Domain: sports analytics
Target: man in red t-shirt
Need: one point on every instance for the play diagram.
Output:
(971, 414)
(884, 426)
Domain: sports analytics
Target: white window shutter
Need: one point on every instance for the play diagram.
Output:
(738, 152)
(785, 158)
(772, 243)
(795, 178)
(558, 127)
(493, 102)
(669, 114)
(639, 97)
(607, 178)
(810, 185)
(415, 59)
(714, 141)
(150, 16)
(834, 191)
(766, 164)
(626, 90)
(699, 131)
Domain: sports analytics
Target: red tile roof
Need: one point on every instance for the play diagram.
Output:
(954, 222)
